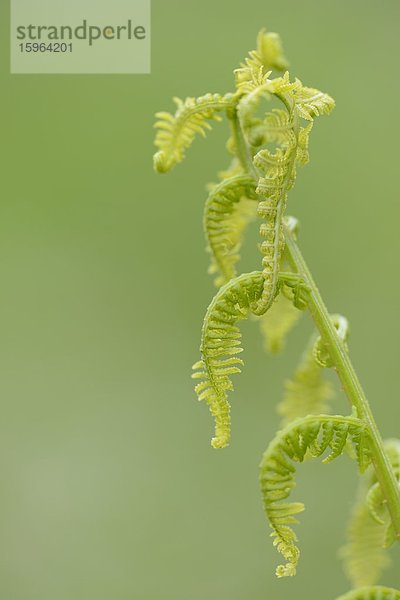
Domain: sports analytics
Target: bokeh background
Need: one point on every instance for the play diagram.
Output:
(109, 487)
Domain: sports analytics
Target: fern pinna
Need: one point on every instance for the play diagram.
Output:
(267, 148)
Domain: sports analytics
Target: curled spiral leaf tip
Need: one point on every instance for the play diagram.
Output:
(285, 571)
(160, 162)
(219, 443)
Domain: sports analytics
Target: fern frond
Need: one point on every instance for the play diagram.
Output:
(268, 55)
(308, 392)
(302, 154)
(220, 343)
(277, 323)
(372, 593)
(176, 132)
(312, 435)
(279, 172)
(225, 217)
(365, 555)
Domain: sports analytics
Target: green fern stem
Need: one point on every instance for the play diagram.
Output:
(242, 148)
(351, 384)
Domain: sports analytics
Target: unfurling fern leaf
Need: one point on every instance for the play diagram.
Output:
(312, 435)
(176, 132)
(372, 593)
(220, 343)
(364, 555)
(225, 217)
(279, 172)
(370, 528)
(268, 55)
(308, 392)
(278, 322)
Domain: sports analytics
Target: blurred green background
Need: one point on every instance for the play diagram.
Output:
(109, 486)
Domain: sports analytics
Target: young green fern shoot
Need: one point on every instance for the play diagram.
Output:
(267, 151)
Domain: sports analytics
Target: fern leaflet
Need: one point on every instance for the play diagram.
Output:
(312, 103)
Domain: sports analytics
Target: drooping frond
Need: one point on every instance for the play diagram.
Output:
(372, 593)
(227, 212)
(176, 132)
(268, 55)
(308, 392)
(365, 555)
(277, 323)
(220, 343)
(312, 435)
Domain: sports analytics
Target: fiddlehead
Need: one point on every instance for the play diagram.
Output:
(312, 435)
(268, 56)
(372, 593)
(226, 215)
(220, 343)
